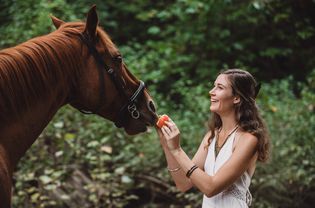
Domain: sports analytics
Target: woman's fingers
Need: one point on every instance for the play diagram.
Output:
(170, 132)
(170, 122)
(159, 132)
(166, 131)
(170, 135)
(171, 125)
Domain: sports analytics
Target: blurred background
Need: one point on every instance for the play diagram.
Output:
(177, 47)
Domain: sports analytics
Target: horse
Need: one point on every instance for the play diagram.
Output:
(76, 64)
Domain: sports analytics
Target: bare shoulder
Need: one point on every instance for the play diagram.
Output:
(247, 136)
(207, 138)
(245, 139)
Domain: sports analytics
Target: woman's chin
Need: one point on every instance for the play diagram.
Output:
(212, 109)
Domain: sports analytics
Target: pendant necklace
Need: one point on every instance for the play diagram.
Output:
(217, 147)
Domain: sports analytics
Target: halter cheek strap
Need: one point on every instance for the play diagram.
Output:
(131, 106)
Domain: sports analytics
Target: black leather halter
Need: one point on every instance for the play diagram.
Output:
(131, 105)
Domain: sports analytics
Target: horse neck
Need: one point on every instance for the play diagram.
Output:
(17, 137)
(19, 134)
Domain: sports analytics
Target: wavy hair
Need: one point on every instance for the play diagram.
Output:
(246, 112)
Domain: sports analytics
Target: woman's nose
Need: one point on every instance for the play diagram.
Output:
(211, 92)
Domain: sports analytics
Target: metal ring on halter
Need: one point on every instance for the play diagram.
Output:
(133, 111)
(135, 114)
(132, 107)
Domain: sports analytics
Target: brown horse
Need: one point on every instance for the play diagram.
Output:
(76, 64)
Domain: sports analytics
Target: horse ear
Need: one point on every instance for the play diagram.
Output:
(91, 22)
(57, 22)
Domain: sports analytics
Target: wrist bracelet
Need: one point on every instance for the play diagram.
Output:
(191, 170)
(174, 170)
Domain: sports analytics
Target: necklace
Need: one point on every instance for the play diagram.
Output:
(217, 147)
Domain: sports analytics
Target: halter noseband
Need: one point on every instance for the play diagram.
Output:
(130, 106)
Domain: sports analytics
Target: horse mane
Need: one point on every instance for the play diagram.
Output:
(31, 70)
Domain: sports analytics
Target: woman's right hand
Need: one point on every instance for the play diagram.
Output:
(171, 134)
(161, 137)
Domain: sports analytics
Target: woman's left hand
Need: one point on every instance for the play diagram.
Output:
(172, 135)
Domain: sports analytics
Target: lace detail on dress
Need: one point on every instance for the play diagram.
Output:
(235, 192)
(249, 198)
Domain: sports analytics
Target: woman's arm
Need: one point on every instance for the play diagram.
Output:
(239, 162)
(179, 177)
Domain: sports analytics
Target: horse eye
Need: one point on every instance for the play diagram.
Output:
(118, 59)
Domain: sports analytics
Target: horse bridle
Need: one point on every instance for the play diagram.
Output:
(131, 105)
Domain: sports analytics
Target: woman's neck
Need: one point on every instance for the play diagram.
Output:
(228, 123)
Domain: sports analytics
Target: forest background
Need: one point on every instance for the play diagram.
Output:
(177, 47)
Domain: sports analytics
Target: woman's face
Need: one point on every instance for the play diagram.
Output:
(221, 96)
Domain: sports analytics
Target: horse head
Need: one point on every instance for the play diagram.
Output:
(105, 86)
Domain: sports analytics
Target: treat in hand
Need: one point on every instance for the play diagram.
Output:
(162, 120)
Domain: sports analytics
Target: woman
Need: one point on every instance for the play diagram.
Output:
(226, 158)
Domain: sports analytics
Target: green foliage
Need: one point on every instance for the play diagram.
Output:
(288, 179)
(28, 19)
(177, 48)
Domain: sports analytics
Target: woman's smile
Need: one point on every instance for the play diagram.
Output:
(221, 96)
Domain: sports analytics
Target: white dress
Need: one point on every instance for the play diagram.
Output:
(237, 195)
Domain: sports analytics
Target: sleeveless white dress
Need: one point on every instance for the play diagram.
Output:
(237, 195)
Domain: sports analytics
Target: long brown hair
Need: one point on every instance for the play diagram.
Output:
(247, 115)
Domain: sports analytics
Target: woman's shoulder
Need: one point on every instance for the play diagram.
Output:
(245, 143)
(243, 137)
(245, 134)
(208, 137)
(208, 134)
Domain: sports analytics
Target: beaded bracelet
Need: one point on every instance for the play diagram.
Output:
(174, 170)
(191, 170)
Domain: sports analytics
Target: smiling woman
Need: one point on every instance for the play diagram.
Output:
(226, 159)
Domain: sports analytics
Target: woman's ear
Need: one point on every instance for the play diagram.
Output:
(237, 99)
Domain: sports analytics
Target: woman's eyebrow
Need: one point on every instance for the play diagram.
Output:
(219, 84)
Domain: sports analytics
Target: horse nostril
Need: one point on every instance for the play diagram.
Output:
(151, 106)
